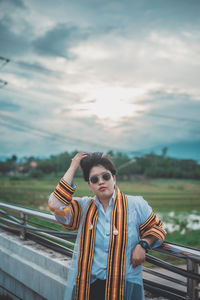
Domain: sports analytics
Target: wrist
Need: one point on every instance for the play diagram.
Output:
(64, 192)
(73, 167)
(144, 245)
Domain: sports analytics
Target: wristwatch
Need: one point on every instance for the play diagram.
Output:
(144, 245)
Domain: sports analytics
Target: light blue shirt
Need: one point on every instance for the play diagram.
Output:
(102, 240)
(138, 212)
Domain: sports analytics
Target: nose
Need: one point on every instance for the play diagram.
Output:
(101, 180)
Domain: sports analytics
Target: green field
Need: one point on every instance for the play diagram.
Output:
(164, 195)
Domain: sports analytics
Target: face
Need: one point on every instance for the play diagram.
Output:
(103, 189)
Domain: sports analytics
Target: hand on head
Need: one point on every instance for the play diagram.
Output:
(77, 159)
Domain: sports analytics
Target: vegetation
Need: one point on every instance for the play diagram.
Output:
(149, 165)
(168, 184)
(166, 196)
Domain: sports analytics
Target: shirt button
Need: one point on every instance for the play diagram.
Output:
(108, 233)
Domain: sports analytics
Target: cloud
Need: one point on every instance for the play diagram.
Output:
(35, 67)
(58, 40)
(9, 106)
(13, 3)
(75, 63)
(12, 44)
(166, 118)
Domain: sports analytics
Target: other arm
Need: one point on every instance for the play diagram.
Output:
(60, 202)
(150, 229)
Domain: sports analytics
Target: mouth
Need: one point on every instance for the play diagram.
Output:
(102, 188)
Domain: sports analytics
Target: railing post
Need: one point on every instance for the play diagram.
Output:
(192, 285)
(24, 222)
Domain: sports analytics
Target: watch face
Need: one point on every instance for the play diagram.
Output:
(144, 245)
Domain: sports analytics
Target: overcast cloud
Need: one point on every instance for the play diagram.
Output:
(98, 75)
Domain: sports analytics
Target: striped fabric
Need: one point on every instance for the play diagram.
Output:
(117, 251)
(76, 213)
(152, 226)
(64, 192)
(86, 251)
(115, 279)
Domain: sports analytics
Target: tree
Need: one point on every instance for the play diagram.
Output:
(164, 151)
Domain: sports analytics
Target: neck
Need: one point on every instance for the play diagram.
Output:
(105, 203)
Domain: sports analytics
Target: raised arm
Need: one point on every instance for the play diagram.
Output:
(69, 175)
(60, 201)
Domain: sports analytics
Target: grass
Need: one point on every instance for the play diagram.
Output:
(164, 195)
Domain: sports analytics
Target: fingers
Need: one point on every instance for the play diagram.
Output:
(138, 256)
(136, 262)
(80, 156)
(77, 158)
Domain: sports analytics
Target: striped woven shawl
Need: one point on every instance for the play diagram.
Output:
(118, 240)
(117, 251)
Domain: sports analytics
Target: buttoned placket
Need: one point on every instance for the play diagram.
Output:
(103, 228)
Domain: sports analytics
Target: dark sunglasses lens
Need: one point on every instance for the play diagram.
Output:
(94, 179)
(106, 176)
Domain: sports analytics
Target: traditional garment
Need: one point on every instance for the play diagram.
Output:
(130, 219)
(117, 251)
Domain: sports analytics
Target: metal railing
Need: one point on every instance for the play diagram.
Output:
(171, 282)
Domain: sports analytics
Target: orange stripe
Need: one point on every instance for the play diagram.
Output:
(152, 216)
(109, 265)
(61, 213)
(156, 232)
(117, 252)
(71, 189)
(76, 210)
(86, 252)
(59, 197)
(155, 228)
(82, 287)
(75, 216)
(64, 192)
(125, 226)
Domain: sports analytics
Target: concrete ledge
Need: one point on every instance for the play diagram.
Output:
(31, 271)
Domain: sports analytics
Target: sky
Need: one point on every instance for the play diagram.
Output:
(98, 75)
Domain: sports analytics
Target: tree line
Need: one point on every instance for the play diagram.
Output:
(149, 165)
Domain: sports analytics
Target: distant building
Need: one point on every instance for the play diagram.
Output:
(33, 164)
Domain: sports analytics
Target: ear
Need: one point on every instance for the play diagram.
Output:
(89, 184)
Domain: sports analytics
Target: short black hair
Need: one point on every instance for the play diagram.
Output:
(96, 159)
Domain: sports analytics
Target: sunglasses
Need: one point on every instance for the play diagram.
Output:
(105, 176)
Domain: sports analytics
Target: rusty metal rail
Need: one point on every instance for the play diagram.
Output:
(167, 280)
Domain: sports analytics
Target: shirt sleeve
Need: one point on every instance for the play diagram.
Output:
(66, 208)
(143, 210)
(61, 211)
(148, 222)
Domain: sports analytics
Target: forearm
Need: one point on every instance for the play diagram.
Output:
(150, 239)
(69, 175)
(64, 190)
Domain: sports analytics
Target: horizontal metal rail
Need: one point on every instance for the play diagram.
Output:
(58, 240)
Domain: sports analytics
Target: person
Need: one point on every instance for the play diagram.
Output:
(114, 232)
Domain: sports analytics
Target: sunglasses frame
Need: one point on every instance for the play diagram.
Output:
(102, 176)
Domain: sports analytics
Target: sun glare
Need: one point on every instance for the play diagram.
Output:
(111, 103)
